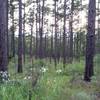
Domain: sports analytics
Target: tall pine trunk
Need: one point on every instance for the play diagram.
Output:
(51, 45)
(90, 46)
(24, 41)
(41, 33)
(98, 34)
(55, 52)
(71, 32)
(36, 48)
(12, 10)
(20, 49)
(64, 36)
(31, 44)
(3, 34)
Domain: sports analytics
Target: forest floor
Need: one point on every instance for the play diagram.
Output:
(52, 84)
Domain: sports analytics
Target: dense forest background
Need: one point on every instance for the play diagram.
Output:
(49, 49)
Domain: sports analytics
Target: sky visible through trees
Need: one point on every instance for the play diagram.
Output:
(49, 3)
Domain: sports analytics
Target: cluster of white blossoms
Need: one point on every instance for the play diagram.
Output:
(58, 71)
(27, 77)
(4, 76)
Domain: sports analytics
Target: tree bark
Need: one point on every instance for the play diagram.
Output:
(20, 49)
(41, 33)
(55, 53)
(64, 36)
(24, 41)
(71, 32)
(3, 34)
(90, 46)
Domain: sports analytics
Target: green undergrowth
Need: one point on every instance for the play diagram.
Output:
(53, 84)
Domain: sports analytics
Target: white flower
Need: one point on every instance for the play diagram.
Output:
(43, 69)
(4, 76)
(29, 77)
(58, 71)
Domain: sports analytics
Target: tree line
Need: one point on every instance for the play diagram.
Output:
(57, 40)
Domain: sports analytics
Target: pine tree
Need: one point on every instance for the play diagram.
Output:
(90, 46)
(20, 49)
(3, 34)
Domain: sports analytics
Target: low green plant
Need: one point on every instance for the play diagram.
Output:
(82, 96)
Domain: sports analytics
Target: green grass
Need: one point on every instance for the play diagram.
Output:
(66, 85)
